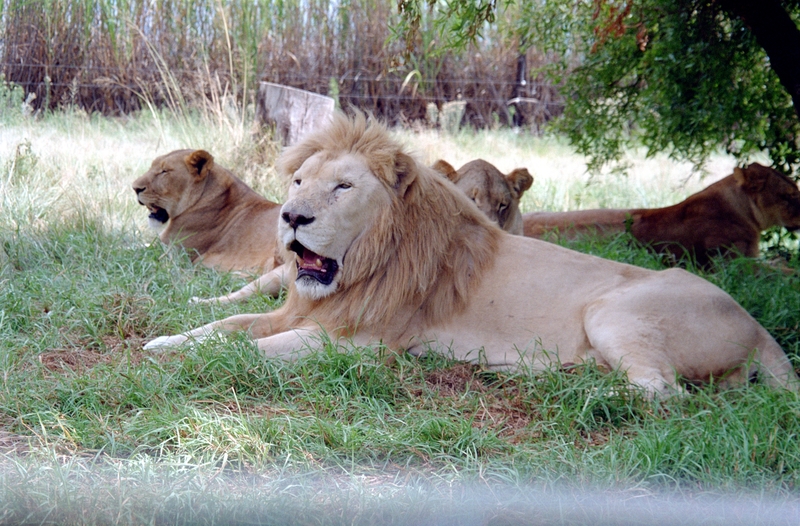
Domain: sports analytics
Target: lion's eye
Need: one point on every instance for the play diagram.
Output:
(343, 186)
(297, 181)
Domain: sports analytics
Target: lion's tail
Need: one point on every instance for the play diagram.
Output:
(774, 366)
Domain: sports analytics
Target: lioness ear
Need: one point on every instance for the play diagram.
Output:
(738, 176)
(405, 168)
(519, 180)
(752, 178)
(446, 169)
(199, 163)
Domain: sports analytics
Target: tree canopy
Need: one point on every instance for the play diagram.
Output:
(684, 77)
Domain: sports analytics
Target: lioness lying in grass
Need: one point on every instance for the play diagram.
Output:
(220, 220)
(725, 218)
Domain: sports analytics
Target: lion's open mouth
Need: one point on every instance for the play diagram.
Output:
(158, 214)
(312, 265)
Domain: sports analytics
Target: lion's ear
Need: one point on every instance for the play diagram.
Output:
(519, 180)
(446, 169)
(752, 178)
(199, 163)
(405, 169)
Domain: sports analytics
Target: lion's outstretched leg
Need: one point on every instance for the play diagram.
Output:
(258, 325)
(269, 284)
(271, 336)
(291, 344)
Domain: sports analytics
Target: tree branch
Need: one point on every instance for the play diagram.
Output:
(776, 32)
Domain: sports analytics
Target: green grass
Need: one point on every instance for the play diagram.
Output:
(93, 430)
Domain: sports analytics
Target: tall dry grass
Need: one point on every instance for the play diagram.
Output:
(114, 56)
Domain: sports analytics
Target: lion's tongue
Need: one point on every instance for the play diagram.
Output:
(312, 261)
(313, 266)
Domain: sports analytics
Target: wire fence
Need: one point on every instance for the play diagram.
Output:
(116, 57)
(488, 101)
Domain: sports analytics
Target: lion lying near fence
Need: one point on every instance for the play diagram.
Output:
(386, 250)
(220, 220)
(495, 194)
(725, 218)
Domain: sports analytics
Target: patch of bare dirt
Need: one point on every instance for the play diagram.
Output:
(504, 416)
(76, 360)
(502, 410)
(82, 359)
(455, 380)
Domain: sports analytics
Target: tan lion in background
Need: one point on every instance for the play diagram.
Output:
(725, 218)
(221, 221)
(386, 250)
(495, 194)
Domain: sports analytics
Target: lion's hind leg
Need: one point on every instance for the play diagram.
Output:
(689, 330)
(655, 378)
(624, 343)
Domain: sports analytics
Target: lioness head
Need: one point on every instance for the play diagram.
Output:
(775, 196)
(173, 183)
(495, 194)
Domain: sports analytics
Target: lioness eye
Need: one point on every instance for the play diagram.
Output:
(343, 186)
(297, 182)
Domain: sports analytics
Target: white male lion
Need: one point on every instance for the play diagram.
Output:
(386, 250)
(495, 194)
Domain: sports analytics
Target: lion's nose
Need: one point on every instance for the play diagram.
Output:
(138, 190)
(296, 220)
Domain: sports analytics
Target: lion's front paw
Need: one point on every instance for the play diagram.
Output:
(220, 300)
(165, 342)
(196, 300)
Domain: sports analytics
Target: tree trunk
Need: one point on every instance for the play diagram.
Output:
(293, 112)
(520, 88)
(776, 32)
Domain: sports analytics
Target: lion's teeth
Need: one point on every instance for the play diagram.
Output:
(318, 262)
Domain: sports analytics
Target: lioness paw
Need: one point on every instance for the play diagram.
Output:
(165, 342)
(197, 300)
